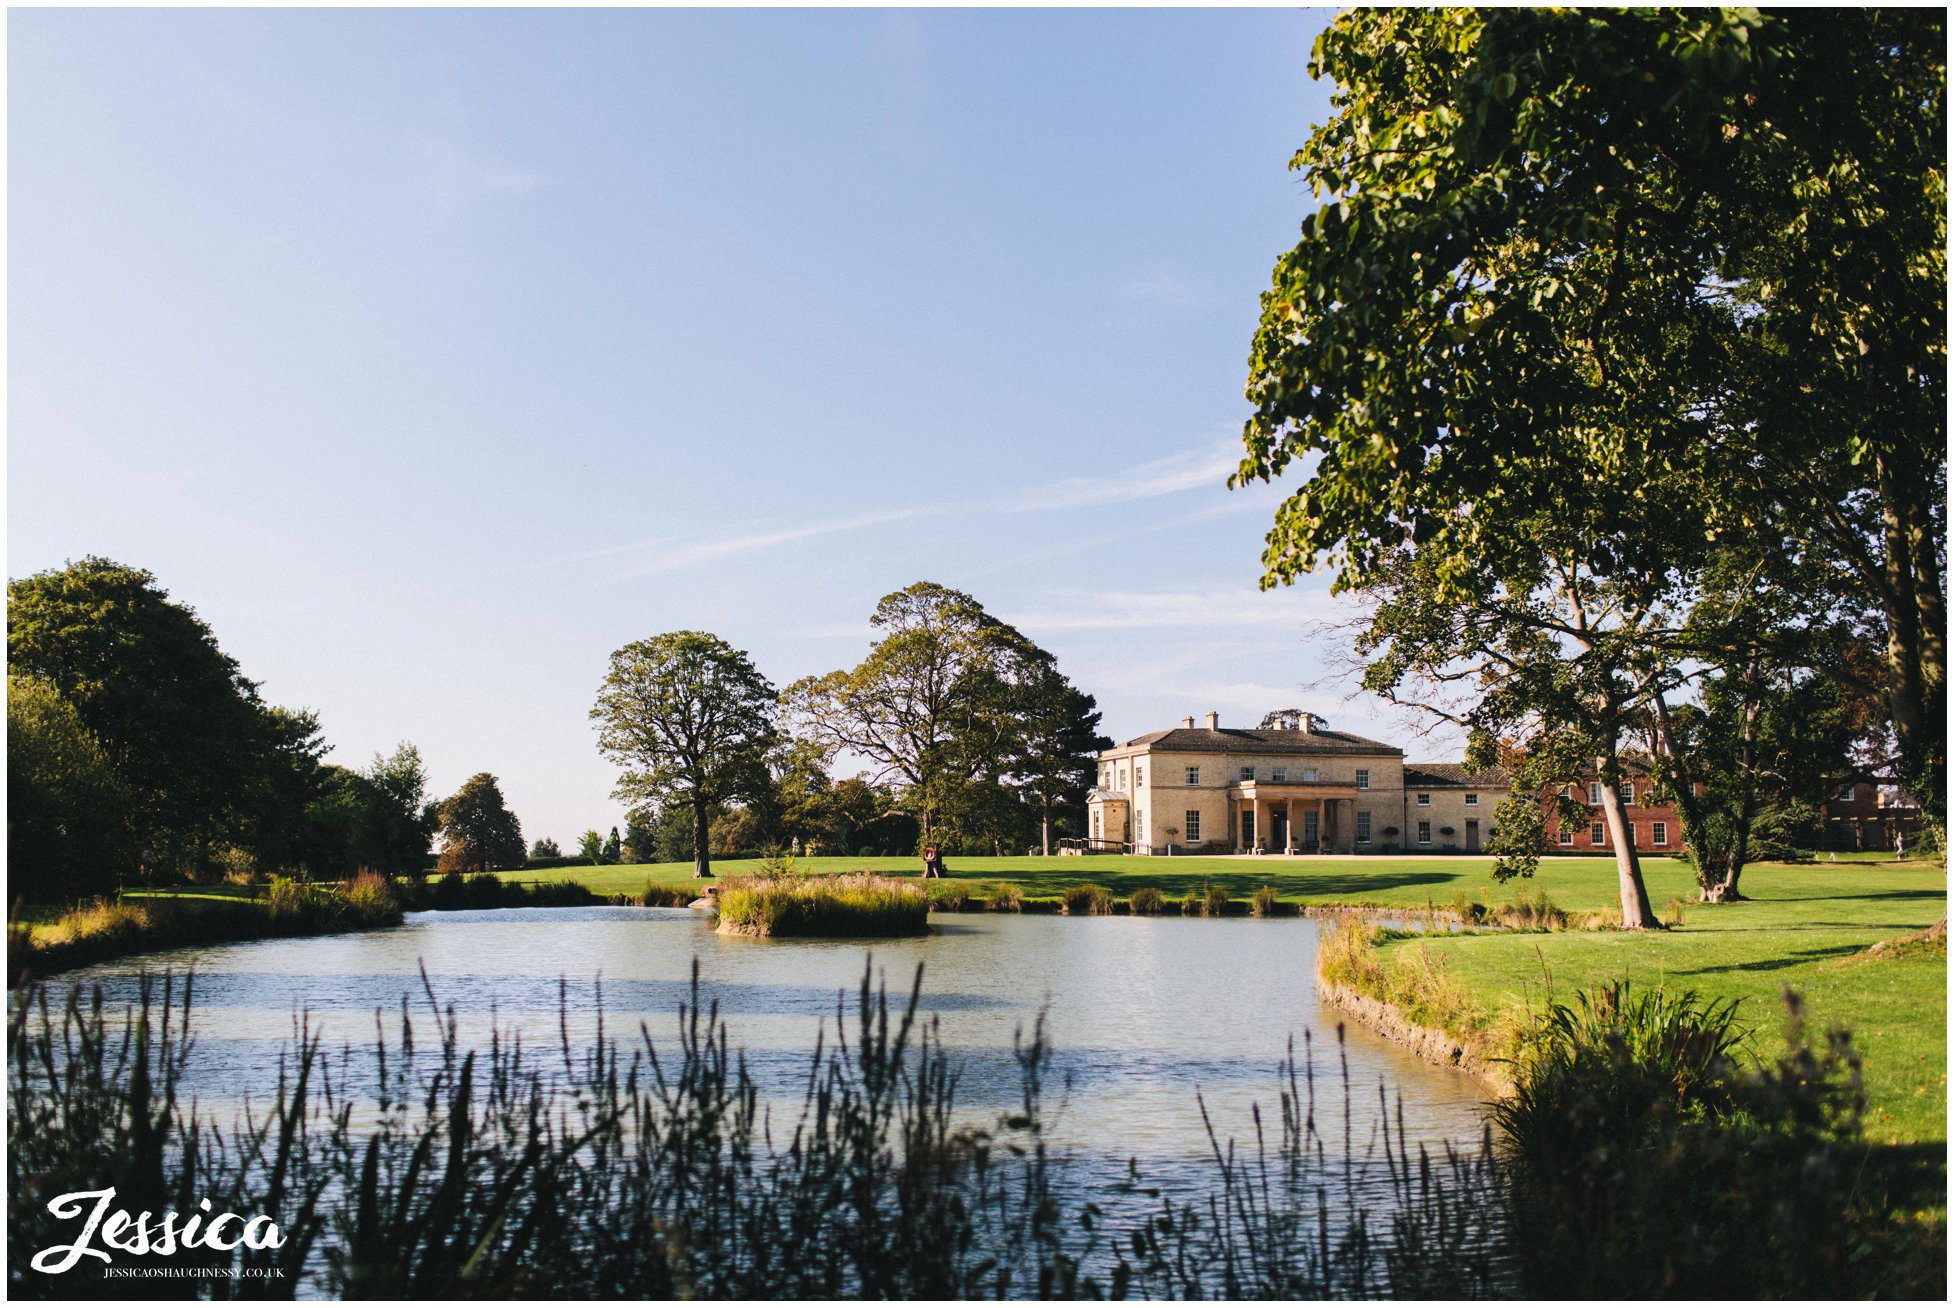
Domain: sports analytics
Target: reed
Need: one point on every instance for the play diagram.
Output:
(1147, 901)
(860, 904)
(653, 1170)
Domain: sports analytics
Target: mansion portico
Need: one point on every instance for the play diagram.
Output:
(1291, 785)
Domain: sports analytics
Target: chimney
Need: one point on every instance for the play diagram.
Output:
(1214, 720)
(1188, 722)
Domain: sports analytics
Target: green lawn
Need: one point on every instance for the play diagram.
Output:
(1799, 930)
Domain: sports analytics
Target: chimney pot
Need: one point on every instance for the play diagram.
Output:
(1214, 720)
(1188, 721)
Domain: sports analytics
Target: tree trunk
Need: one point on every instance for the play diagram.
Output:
(1046, 827)
(1636, 913)
(1916, 650)
(701, 837)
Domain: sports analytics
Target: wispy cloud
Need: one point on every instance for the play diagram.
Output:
(456, 178)
(671, 556)
(1207, 468)
(1166, 286)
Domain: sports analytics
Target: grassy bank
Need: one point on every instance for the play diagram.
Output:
(46, 943)
(850, 906)
(1805, 928)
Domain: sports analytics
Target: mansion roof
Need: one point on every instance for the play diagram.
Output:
(1243, 740)
(1454, 774)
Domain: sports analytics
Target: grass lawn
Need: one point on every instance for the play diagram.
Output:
(1800, 930)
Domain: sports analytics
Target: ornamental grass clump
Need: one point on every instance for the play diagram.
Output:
(1264, 903)
(857, 904)
(1086, 899)
(1147, 901)
(1215, 902)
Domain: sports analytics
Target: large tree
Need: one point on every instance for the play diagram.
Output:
(690, 721)
(1568, 262)
(184, 730)
(478, 832)
(1057, 750)
(943, 705)
(65, 830)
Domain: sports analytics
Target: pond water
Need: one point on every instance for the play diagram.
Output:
(1142, 1013)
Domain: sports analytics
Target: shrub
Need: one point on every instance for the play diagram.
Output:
(860, 904)
(1190, 904)
(666, 895)
(370, 898)
(949, 896)
(1148, 901)
(1215, 902)
(1648, 1153)
(1086, 899)
(1264, 904)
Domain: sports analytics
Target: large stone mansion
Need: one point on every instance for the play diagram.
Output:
(1292, 785)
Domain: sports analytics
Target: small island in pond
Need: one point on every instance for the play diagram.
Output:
(856, 905)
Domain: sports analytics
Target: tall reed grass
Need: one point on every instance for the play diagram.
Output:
(857, 905)
(655, 1170)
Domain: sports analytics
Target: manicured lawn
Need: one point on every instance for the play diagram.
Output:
(1375, 880)
(1799, 930)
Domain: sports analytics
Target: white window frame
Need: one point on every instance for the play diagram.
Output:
(1194, 776)
(1660, 835)
(1425, 832)
(1567, 835)
(1140, 826)
(1309, 776)
(1472, 799)
(1098, 824)
(1248, 772)
(1192, 831)
(1598, 834)
(1848, 794)
(1627, 792)
(1424, 799)
(1363, 778)
(1364, 827)
(1594, 792)
(1139, 775)
(1279, 774)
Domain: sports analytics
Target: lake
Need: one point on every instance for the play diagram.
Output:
(1142, 1013)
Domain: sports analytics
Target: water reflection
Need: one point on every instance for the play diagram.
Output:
(1142, 1012)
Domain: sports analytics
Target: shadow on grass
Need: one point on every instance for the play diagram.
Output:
(1794, 958)
(1288, 882)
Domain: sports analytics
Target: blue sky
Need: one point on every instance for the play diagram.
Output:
(432, 355)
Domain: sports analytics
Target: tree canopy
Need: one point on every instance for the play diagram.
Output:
(689, 720)
(478, 832)
(1621, 287)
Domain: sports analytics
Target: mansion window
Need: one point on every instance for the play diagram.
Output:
(1194, 776)
(1472, 801)
(1631, 834)
(1140, 827)
(1424, 801)
(1309, 774)
(1627, 793)
(1364, 828)
(1425, 832)
(1597, 834)
(1280, 774)
(1193, 827)
(1846, 794)
(1661, 833)
(1594, 792)
(1363, 778)
(1139, 774)
(1567, 835)
(1098, 827)
(1248, 773)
